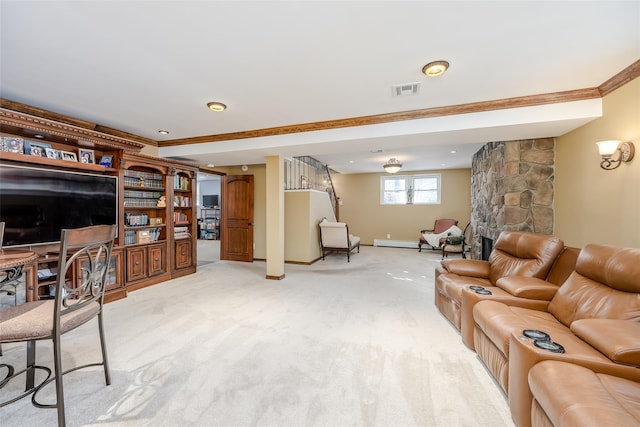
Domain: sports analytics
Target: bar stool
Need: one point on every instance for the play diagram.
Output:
(87, 252)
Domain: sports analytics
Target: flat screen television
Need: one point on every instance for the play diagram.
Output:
(210, 201)
(36, 204)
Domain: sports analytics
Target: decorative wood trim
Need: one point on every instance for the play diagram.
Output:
(473, 107)
(164, 160)
(58, 124)
(72, 121)
(45, 114)
(84, 136)
(210, 171)
(620, 79)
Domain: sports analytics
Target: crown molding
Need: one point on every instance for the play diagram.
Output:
(73, 122)
(622, 78)
(473, 107)
(65, 131)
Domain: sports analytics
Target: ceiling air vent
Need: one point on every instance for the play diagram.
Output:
(407, 89)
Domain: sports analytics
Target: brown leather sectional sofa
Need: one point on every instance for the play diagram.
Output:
(588, 303)
(515, 253)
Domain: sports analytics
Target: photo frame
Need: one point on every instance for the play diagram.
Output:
(13, 145)
(52, 153)
(86, 156)
(69, 156)
(34, 148)
(37, 150)
(106, 160)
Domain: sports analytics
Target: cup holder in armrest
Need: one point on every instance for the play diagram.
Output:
(535, 334)
(548, 345)
(480, 290)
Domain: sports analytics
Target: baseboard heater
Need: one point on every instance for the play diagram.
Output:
(395, 243)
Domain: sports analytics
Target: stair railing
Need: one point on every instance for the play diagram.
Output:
(305, 172)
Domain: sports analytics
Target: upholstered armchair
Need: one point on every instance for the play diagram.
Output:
(335, 237)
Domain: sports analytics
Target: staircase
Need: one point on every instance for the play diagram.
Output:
(307, 173)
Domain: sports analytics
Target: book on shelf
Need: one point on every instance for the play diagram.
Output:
(181, 183)
(179, 217)
(132, 237)
(181, 232)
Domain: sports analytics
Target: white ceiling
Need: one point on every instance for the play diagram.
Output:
(142, 66)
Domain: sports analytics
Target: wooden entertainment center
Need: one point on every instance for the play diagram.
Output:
(156, 209)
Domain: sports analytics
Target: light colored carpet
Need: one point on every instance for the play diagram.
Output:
(333, 344)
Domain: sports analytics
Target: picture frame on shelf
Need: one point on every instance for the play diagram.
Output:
(106, 160)
(38, 149)
(69, 156)
(86, 156)
(13, 145)
(52, 153)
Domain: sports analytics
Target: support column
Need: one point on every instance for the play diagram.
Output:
(275, 217)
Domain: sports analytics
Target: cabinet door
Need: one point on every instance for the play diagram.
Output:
(114, 277)
(183, 253)
(157, 257)
(136, 263)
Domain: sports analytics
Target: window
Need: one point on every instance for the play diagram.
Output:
(414, 189)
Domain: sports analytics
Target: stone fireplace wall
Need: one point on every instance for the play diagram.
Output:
(512, 188)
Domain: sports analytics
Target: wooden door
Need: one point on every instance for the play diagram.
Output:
(236, 240)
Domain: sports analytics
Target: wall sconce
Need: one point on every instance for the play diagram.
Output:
(392, 166)
(608, 149)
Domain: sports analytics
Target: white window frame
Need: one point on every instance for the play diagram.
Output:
(410, 183)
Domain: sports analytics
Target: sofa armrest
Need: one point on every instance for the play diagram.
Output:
(468, 267)
(619, 340)
(527, 287)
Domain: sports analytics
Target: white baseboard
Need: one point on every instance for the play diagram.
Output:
(395, 243)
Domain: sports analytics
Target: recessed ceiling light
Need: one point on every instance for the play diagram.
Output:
(210, 165)
(216, 106)
(435, 68)
(163, 132)
(39, 136)
(351, 161)
(453, 151)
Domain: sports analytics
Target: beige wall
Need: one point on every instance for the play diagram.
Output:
(367, 218)
(594, 205)
(304, 209)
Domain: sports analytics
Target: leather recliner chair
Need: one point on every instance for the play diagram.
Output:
(518, 291)
(593, 316)
(570, 395)
(515, 253)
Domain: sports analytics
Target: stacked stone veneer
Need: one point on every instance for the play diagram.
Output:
(512, 188)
